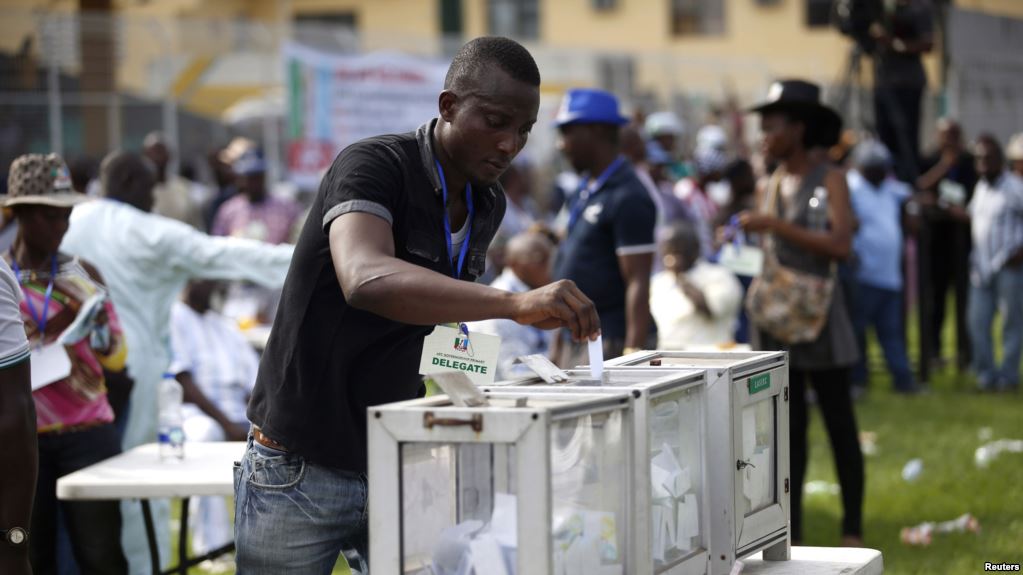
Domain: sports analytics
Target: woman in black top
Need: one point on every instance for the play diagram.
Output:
(811, 228)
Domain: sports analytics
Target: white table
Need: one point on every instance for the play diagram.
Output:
(819, 561)
(208, 469)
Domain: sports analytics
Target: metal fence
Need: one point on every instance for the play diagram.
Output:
(82, 85)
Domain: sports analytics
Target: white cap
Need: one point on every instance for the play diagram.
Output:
(663, 123)
(711, 137)
(1014, 151)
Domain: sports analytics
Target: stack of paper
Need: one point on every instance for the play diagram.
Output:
(675, 513)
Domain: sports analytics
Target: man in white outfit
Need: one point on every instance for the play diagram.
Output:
(146, 260)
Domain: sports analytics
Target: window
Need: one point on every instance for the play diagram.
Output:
(818, 13)
(514, 18)
(327, 30)
(697, 17)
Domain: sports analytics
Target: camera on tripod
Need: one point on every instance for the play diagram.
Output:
(856, 18)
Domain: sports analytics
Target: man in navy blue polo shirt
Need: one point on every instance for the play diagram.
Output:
(609, 239)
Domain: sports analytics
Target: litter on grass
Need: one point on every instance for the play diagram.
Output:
(868, 442)
(922, 535)
(912, 470)
(988, 452)
(821, 487)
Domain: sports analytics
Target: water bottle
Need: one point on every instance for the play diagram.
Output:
(818, 209)
(171, 435)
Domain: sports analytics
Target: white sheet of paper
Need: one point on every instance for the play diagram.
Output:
(667, 470)
(487, 556)
(760, 478)
(688, 522)
(596, 349)
(951, 192)
(504, 526)
(659, 530)
(749, 433)
(50, 364)
(442, 351)
(743, 260)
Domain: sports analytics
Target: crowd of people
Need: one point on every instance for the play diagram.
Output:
(799, 246)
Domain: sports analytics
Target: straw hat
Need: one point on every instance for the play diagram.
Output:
(41, 180)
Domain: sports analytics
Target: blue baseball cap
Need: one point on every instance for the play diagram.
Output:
(589, 106)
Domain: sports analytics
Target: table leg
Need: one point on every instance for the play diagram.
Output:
(154, 551)
(183, 538)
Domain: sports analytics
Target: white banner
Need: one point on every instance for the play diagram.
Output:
(336, 100)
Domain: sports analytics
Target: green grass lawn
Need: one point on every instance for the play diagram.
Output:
(942, 428)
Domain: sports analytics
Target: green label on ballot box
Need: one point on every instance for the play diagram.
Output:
(759, 383)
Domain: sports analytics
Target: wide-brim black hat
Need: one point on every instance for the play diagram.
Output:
(803, 99)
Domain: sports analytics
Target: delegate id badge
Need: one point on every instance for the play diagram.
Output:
(50, 364)
(455, 349)
(742, 259)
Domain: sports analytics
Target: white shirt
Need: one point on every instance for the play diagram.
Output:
(516, 339)
(679, 324)
(13, 343)
(996, 218)
(213, 349)
(146, 260)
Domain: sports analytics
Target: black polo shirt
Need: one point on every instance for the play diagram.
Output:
(326, 361)
(618, 219)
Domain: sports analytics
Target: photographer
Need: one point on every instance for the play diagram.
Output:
(902, 34)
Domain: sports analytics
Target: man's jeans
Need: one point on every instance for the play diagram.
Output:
(1003, 293)
(295, 517)
(882, 308)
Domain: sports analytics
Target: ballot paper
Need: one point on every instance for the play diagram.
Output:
(749, 432)
(596, 349)
(668, 477)
(688, 522)
(486, 556)
(757, 479)
(49, 364)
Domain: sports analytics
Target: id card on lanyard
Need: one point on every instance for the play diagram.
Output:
(49, 363)
(452, 349)
(587, 190)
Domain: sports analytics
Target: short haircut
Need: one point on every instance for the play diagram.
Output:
(120, 170)
(681, 237)
(991, 142)
(475, 56)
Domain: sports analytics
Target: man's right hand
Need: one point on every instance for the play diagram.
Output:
(559, 304)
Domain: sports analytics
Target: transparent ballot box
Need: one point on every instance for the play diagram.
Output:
(748, 454)
(670, 514)
(523, 485)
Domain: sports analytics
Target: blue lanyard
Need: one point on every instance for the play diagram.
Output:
(36, 317)
(457, 272)
(585, 190)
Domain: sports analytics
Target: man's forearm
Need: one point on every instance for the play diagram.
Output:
(637, 313)
(411, 294)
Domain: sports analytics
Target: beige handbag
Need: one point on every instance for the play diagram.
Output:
(790, 305)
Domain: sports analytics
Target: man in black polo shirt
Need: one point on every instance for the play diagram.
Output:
(609, 243)
(375, 268)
